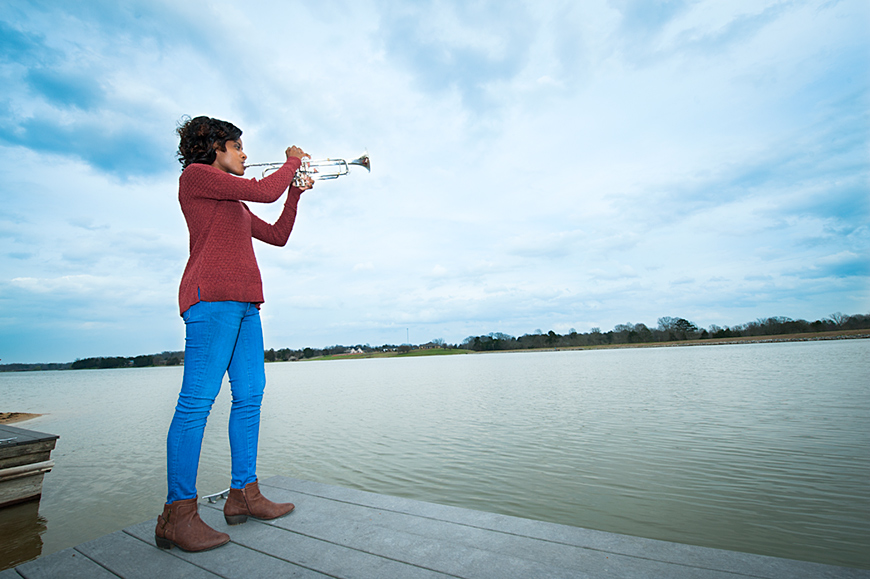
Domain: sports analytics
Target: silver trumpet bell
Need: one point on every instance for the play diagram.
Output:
(320, 169)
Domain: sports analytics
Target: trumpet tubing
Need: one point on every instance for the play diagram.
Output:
(320, 169)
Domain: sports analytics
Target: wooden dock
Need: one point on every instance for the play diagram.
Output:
(25, 457)
(340, 532)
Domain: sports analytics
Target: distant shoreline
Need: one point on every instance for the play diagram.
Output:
(802, 337)
(757, 339)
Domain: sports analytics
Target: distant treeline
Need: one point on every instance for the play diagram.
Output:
(162, 359)
(144, 361)
(287, 354)
(34, 367)
(668, 330)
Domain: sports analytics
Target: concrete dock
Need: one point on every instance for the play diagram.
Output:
(340, 532)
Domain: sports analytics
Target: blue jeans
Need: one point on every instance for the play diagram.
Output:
(221, 337)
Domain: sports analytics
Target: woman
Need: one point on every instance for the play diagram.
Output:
(220, 294)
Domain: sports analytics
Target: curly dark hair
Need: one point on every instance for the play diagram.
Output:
(200, 136)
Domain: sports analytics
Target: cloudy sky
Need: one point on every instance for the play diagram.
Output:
(535, 165)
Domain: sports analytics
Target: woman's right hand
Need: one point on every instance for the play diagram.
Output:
(295, 151)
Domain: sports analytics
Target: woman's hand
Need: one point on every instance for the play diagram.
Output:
(307, 183)
(295, 151)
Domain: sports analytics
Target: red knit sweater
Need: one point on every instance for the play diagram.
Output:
(222, 265)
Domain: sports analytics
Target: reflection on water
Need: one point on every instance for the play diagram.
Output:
(21, 529)
(758, 448)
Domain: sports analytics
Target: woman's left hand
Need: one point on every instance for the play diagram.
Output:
(307, 183)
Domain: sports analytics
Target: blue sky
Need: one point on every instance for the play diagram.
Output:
(536, 165)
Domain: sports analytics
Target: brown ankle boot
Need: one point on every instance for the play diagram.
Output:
(181, 526)
(248, 502)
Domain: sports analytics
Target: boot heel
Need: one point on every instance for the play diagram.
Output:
(162, 542)
(235, 519)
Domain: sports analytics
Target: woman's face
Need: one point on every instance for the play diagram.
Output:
(232, 160)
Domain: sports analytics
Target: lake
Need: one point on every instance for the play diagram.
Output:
(762, 448)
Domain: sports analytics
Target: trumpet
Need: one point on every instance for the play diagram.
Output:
(320, 169)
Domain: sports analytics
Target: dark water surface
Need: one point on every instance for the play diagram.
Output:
(763, 448)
